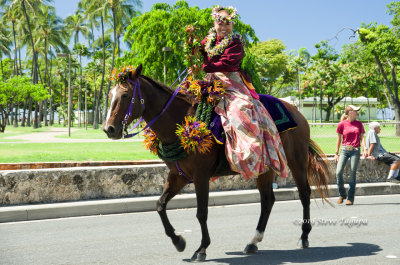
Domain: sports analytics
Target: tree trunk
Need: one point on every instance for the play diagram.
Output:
(34, 62)
(86, 110)
(36, 119)
(23, 114)
(20, 61)
(51, 95)
(104, 64)
(80, 92)
(28, 124)
(16, 115)
(45, 81)
(320, 104)
(112, 63)
(94, 119)
(393, 96)
(11, 111)
(15, 50)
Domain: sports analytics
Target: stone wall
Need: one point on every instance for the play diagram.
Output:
(83, 183)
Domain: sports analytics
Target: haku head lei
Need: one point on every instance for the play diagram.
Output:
(122, 74)
(220, 19)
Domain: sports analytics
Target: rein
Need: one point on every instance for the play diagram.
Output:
(129, 111)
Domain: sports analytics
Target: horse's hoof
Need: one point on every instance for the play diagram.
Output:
(303, 243)
(198, 257)
(250, 249)
(180, 246)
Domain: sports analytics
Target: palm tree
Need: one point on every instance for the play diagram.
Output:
(300, 61)
(4, 46)
(51, 33)
(93, 11)
(122, 11)
(11, 16)
(29, 8)
(75, 25)
(32, 5)
(81, 50)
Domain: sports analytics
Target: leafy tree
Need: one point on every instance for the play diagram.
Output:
(164, 26)
(14, 91)
(272, 63)
(321, 76)
(383, 43)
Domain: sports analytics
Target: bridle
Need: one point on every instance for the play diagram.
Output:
(128, 113)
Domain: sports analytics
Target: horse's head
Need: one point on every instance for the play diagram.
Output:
(120, 97)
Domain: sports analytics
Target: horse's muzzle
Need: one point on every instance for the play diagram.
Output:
(112, 132)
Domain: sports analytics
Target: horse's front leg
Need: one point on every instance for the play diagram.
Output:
(173, 185)
(202, 190)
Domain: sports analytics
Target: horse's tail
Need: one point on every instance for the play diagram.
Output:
(318, 170)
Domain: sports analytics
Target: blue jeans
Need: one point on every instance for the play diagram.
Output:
(354, 157)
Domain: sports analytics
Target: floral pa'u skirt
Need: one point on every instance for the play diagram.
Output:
(253, 144)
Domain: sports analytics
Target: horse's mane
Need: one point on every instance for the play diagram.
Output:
(166, 89)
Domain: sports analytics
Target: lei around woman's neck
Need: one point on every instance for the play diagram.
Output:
(214, 49)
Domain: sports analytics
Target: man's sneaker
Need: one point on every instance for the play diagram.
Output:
(340, 200)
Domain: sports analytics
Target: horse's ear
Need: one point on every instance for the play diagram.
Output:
(138, 71)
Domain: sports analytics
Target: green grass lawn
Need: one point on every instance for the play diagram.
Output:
(10, 152)
(60, 152)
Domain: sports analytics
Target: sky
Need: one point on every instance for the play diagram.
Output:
(298, 23)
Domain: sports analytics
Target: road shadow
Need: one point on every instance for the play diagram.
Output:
(377, 204)
(310, 255)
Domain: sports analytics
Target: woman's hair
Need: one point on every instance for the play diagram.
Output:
(347, 110)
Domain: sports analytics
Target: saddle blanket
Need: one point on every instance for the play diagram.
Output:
(279, 113)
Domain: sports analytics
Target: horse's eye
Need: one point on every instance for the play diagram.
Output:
(124, 96)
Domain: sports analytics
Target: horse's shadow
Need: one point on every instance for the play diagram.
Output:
(314, 254)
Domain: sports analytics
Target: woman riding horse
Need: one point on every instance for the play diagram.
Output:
(253, 144)
(136, 95)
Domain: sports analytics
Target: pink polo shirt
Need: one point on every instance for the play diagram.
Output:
(351, 132)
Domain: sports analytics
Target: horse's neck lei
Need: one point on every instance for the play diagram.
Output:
(214, 49)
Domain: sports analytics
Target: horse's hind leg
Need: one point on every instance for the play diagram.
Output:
(264, 185)
(173, 185)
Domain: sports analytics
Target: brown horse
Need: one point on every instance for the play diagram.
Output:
(303, 156)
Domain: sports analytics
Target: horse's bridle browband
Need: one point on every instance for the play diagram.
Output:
(136, 85)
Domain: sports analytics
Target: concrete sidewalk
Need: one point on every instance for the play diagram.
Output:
(142, 204)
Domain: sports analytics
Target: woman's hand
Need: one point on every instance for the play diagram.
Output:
(336, 158)
(365, 154)
(194, 68)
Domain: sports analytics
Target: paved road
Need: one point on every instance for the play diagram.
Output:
(366, 233)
